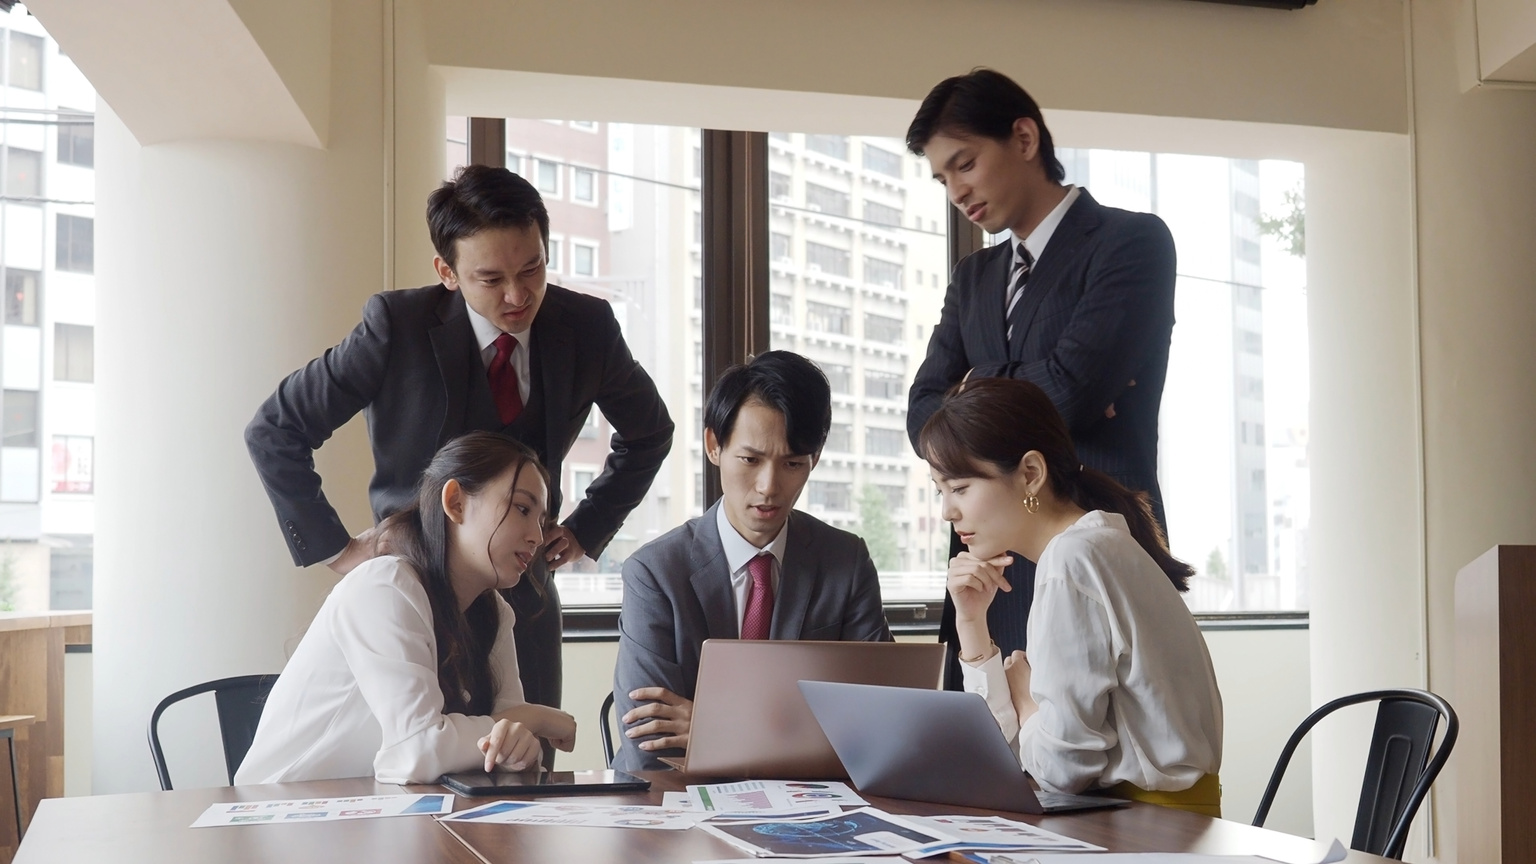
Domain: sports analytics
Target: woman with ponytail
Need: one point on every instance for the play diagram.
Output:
(409, 671)
(1117, 694)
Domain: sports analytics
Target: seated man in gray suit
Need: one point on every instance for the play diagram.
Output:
(750, 567)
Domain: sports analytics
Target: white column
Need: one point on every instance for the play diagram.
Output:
(222, 266)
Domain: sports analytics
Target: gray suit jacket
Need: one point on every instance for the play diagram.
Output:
(677, 593)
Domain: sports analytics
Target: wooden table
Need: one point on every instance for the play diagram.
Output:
(152, 827)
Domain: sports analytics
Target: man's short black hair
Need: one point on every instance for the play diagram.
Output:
(983, 103)
(480, 197)
(785, 382)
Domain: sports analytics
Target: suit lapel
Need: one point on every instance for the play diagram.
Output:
(987, 310)
(797, 580)
(711, 579)
(1081, 220)
(555, 341)
(453, 341)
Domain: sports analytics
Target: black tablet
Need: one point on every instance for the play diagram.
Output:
(542, 782)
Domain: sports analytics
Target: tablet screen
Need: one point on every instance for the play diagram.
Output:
(542, 782)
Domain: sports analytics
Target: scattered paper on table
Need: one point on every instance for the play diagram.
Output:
(993, 834)
(1336, 852)
(322, 809)
(862, 859)
(583, 815)
(773, 795)
(689, 801)
(858, 832)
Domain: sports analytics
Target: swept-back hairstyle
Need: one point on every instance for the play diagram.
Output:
(785, 382)
(982, 103)
(984, 427)
(419, 534)
(480, 197)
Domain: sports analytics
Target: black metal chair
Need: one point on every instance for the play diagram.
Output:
(1398, 769)
(239, 700)
(605, 726)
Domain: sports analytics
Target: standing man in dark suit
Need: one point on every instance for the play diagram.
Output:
(492, 347)
(1079, 301)
(751, 567)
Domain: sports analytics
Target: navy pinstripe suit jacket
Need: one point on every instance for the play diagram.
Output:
(1098, 314)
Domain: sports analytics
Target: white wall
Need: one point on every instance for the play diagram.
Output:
(223, 265)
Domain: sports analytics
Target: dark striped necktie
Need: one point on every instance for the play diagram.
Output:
(1023, 262)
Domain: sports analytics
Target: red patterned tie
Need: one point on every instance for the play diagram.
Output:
(759, 614)
(509, 401)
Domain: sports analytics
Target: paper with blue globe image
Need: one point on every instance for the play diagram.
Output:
(857, 831)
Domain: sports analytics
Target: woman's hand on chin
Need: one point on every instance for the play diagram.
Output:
(973, 582)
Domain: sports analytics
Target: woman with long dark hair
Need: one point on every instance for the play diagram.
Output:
(409, 670)
(1117, 693)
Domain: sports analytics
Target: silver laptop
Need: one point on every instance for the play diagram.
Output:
(940, 746)
(749, 719)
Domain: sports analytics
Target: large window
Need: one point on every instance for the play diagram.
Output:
(1232, 446)
(1234, 428)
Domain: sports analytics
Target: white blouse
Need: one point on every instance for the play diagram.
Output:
(1118, 667)
(360, 695)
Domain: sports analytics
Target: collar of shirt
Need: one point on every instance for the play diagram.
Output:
(1039, 237)
(738, 551)
(485, 337)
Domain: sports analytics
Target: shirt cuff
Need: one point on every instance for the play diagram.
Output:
(327, 562)
(990, 682)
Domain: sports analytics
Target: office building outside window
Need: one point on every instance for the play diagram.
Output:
(868, 481)
(47, 506)
(1233, 437)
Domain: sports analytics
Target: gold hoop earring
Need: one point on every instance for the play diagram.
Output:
(1032, 503)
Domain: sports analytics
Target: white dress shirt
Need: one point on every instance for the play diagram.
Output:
(738, 553)
(1038, 238)
(360, 694)
(485, 336)
(1118, 667)
(1036, 242)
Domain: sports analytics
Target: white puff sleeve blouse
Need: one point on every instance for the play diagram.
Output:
(360, 694)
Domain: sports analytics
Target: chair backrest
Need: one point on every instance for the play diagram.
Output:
(605, 726)
(1398, 770)
(239, 701)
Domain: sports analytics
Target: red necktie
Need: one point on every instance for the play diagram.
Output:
(509, 401)
(759, 614)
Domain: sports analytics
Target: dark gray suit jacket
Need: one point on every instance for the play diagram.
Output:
(1098, 313)
(677, 593)
(413, 366)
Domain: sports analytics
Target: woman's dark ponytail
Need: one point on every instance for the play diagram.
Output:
(997, 420)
